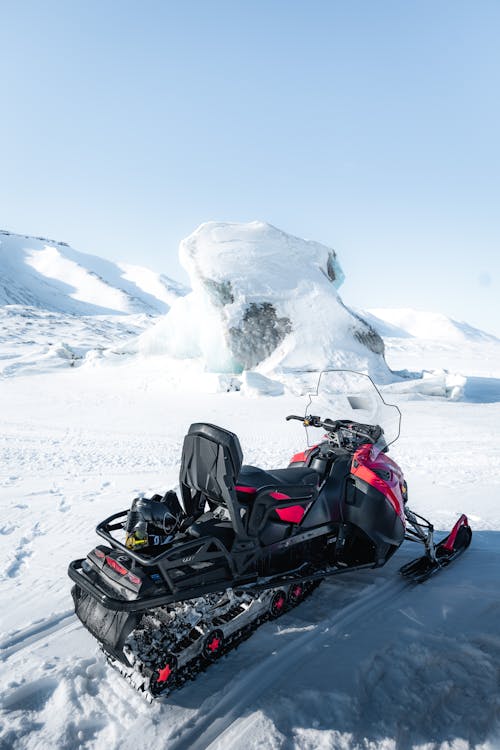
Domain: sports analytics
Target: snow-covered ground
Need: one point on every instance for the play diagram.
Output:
(368, 661)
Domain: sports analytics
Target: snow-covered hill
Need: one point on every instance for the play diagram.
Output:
(430, 326)
(48, 275)
(417, 340)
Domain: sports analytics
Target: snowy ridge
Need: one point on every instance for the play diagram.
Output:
(431, 326)
(417, 341)
(50, 275)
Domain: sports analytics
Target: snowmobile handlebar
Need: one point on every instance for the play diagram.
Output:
(313, 421)
(342, 428)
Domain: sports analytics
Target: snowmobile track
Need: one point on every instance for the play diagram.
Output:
(231, 724)
(225, 718)
(45, 629)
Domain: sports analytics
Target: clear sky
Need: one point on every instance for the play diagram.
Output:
(372, 126)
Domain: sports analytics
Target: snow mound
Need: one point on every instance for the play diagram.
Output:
(255, 384)
(431, 326)
(50, 275)
(263, 298)
(430, 383)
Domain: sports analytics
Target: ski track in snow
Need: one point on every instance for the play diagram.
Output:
(224, 718)
(43, 630)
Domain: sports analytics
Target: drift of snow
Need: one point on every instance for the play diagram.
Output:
(263, 299)
(158, 285)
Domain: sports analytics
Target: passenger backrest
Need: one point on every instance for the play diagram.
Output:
(211, 461)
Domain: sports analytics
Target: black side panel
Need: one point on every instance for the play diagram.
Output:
(328, 506)
(370, 511)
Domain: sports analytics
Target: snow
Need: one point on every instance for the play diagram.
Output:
(52, 276)
(156, 284)
(33, 340)
(253, 289)
(255, 384)
(428, 325)
(368, 662)
(416, 341)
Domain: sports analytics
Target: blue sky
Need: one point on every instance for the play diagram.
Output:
(373, 127)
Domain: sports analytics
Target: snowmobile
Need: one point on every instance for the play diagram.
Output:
(179, 582)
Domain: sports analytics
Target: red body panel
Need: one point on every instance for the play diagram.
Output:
(364, 466)
(292, 514)
(245, 490)
(450, 542)
(302, 458)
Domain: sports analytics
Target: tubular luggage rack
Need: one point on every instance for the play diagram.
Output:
(188, 570)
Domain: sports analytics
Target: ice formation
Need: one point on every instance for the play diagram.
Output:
(262, 298)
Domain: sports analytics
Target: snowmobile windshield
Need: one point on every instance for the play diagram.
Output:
(353, 400)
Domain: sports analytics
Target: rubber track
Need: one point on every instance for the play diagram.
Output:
(199, 664)
(222, 723)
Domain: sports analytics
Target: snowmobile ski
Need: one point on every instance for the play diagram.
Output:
(447, 550)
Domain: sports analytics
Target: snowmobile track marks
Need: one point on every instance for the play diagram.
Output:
(43, 630)
(224, 719)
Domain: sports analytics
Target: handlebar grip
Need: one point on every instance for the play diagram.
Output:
(294, 416)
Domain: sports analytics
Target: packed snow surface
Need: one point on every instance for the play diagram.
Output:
(367, 662)
(263, 298)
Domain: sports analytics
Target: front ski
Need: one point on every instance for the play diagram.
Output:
(441, 555)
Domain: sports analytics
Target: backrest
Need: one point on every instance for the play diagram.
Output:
(211, 461)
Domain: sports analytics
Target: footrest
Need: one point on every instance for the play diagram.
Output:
(420, 570)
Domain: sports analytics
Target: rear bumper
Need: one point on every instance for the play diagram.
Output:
(107, 600)
(102, 595)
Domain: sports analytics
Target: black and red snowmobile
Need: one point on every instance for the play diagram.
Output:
(178, 583)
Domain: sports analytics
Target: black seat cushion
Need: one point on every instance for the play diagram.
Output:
(251, 477)
(223, 530)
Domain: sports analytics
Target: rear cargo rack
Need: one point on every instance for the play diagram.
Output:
(184, 568)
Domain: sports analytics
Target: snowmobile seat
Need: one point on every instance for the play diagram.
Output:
(211, 461)
(222, 530)
(251, 479)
